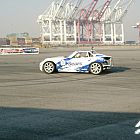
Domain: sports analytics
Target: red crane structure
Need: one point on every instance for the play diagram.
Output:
(66, 22)
(89, 24)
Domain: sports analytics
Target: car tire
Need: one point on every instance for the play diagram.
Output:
(96, 68)
(49, 67)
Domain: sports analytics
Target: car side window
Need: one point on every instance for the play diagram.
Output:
(77, 55)
(81, 55)
(90, 55)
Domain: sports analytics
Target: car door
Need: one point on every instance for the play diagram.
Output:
(70, 65)
(81, 63)
(75, 64)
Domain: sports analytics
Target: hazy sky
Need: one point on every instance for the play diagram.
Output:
(21, 15)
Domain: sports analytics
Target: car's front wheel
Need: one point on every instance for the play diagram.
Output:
(96, 68)
(49, 67)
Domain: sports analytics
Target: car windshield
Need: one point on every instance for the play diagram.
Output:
(82, 54)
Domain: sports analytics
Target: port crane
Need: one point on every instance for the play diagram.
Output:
(89, 25)
(113, 28)
(67, 22)
(58, 24)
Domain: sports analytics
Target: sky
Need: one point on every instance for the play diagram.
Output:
(18, 16)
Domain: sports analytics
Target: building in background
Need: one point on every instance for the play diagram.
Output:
(4, 42)
(20, 39)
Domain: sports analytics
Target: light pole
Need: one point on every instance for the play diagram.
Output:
(137, 26)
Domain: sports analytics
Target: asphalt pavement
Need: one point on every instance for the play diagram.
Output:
(70, 106)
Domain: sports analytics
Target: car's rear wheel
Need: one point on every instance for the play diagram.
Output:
(96, 68)
(49, 67)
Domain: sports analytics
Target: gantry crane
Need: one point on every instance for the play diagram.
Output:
(65, 21)
(113, 28)
(58, 24)
(89, 23)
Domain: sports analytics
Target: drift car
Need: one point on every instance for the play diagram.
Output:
(78, 61)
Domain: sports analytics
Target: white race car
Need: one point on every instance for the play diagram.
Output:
(78, 61)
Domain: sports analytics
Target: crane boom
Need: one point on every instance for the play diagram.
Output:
(60, 8)
(119, 10)
(124, 11)
(113, 10)
(74, 12)
(91, 9)
(102, 11)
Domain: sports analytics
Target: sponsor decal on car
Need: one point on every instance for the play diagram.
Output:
(74, 64)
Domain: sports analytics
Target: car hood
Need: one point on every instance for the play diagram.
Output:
(54, 59)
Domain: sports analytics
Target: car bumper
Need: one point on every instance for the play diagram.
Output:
(41, 66)
(108, 64)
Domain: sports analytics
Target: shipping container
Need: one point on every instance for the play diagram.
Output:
(4, 41)
(21, 41)
(36, 40)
